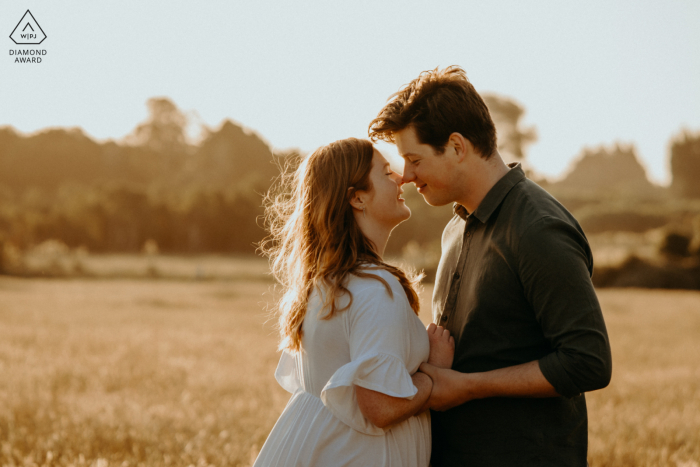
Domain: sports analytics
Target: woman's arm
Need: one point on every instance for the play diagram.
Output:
(383, 410)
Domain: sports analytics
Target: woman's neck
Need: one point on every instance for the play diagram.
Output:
(377, 234)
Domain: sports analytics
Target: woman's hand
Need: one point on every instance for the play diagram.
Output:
(442, 346)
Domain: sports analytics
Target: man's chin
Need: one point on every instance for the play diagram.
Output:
(435, 202)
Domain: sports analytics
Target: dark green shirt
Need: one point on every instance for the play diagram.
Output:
(513, 286)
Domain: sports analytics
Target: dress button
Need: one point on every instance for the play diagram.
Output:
(444, 318)
(469, 234)
(455, 276)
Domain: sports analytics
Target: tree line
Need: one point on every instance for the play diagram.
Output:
(197, 197)
(153, 185)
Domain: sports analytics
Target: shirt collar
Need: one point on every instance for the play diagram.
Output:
(495, 196)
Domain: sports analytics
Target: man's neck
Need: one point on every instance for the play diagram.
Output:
(486, 173)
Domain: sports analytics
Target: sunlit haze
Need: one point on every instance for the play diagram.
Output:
(302, 74)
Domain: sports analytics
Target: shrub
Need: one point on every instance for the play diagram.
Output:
(675, 245)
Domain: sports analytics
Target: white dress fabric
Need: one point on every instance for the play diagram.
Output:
(377, 343)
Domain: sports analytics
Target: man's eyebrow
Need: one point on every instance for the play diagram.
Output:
(407, 155)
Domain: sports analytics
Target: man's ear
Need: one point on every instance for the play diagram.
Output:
(462, 146)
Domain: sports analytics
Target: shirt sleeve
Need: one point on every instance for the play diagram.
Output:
(555, 265)
(378, 336)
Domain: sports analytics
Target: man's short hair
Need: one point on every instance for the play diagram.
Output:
(437, 104)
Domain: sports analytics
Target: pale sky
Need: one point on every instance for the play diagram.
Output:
(303, 74)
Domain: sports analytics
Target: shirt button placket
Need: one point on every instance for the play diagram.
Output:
(456, 282)
(455, 285)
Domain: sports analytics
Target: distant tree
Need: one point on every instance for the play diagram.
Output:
(506, 115)
(685, 164)
(613, 170)
(234, 155)
(47, 158)
(164, 130)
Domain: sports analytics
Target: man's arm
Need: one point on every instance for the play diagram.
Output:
(452, 388)
(555, 266)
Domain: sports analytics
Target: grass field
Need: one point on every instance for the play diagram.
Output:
(178, 373)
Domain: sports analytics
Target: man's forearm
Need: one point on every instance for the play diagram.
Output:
(452, 388)
(525, 380)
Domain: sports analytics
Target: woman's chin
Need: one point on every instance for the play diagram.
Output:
(406, 215)
(401, 216)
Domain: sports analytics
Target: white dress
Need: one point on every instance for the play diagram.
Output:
(377, 343)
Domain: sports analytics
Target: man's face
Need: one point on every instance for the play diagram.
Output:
(433, 174)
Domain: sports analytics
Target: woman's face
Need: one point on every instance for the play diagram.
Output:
(384, 203)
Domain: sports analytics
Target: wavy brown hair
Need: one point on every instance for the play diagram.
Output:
(314, 240)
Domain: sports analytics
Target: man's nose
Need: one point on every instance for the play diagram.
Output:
(407, 176)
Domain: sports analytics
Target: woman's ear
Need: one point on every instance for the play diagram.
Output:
(357, 198)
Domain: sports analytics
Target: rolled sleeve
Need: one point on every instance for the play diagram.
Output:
(555, 265)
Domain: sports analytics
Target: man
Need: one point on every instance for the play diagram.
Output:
(513, 287)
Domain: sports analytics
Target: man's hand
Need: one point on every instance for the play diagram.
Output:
(449, 388)
(442, 346)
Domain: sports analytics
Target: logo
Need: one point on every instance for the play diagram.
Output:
(28, 31)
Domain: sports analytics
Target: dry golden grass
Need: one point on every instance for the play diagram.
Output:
(53, 258)
(128, 373)
(650, 413)
(142, 373)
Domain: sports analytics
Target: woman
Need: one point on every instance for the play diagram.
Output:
(351, 338)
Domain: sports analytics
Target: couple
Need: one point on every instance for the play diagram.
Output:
(518, 333)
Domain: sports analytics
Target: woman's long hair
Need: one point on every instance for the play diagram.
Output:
(314, 239)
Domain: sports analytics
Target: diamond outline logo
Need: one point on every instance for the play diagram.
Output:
(31, 20)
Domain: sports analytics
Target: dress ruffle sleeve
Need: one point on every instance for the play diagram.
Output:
(378, 331)
(287, 373)
(379, 372)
